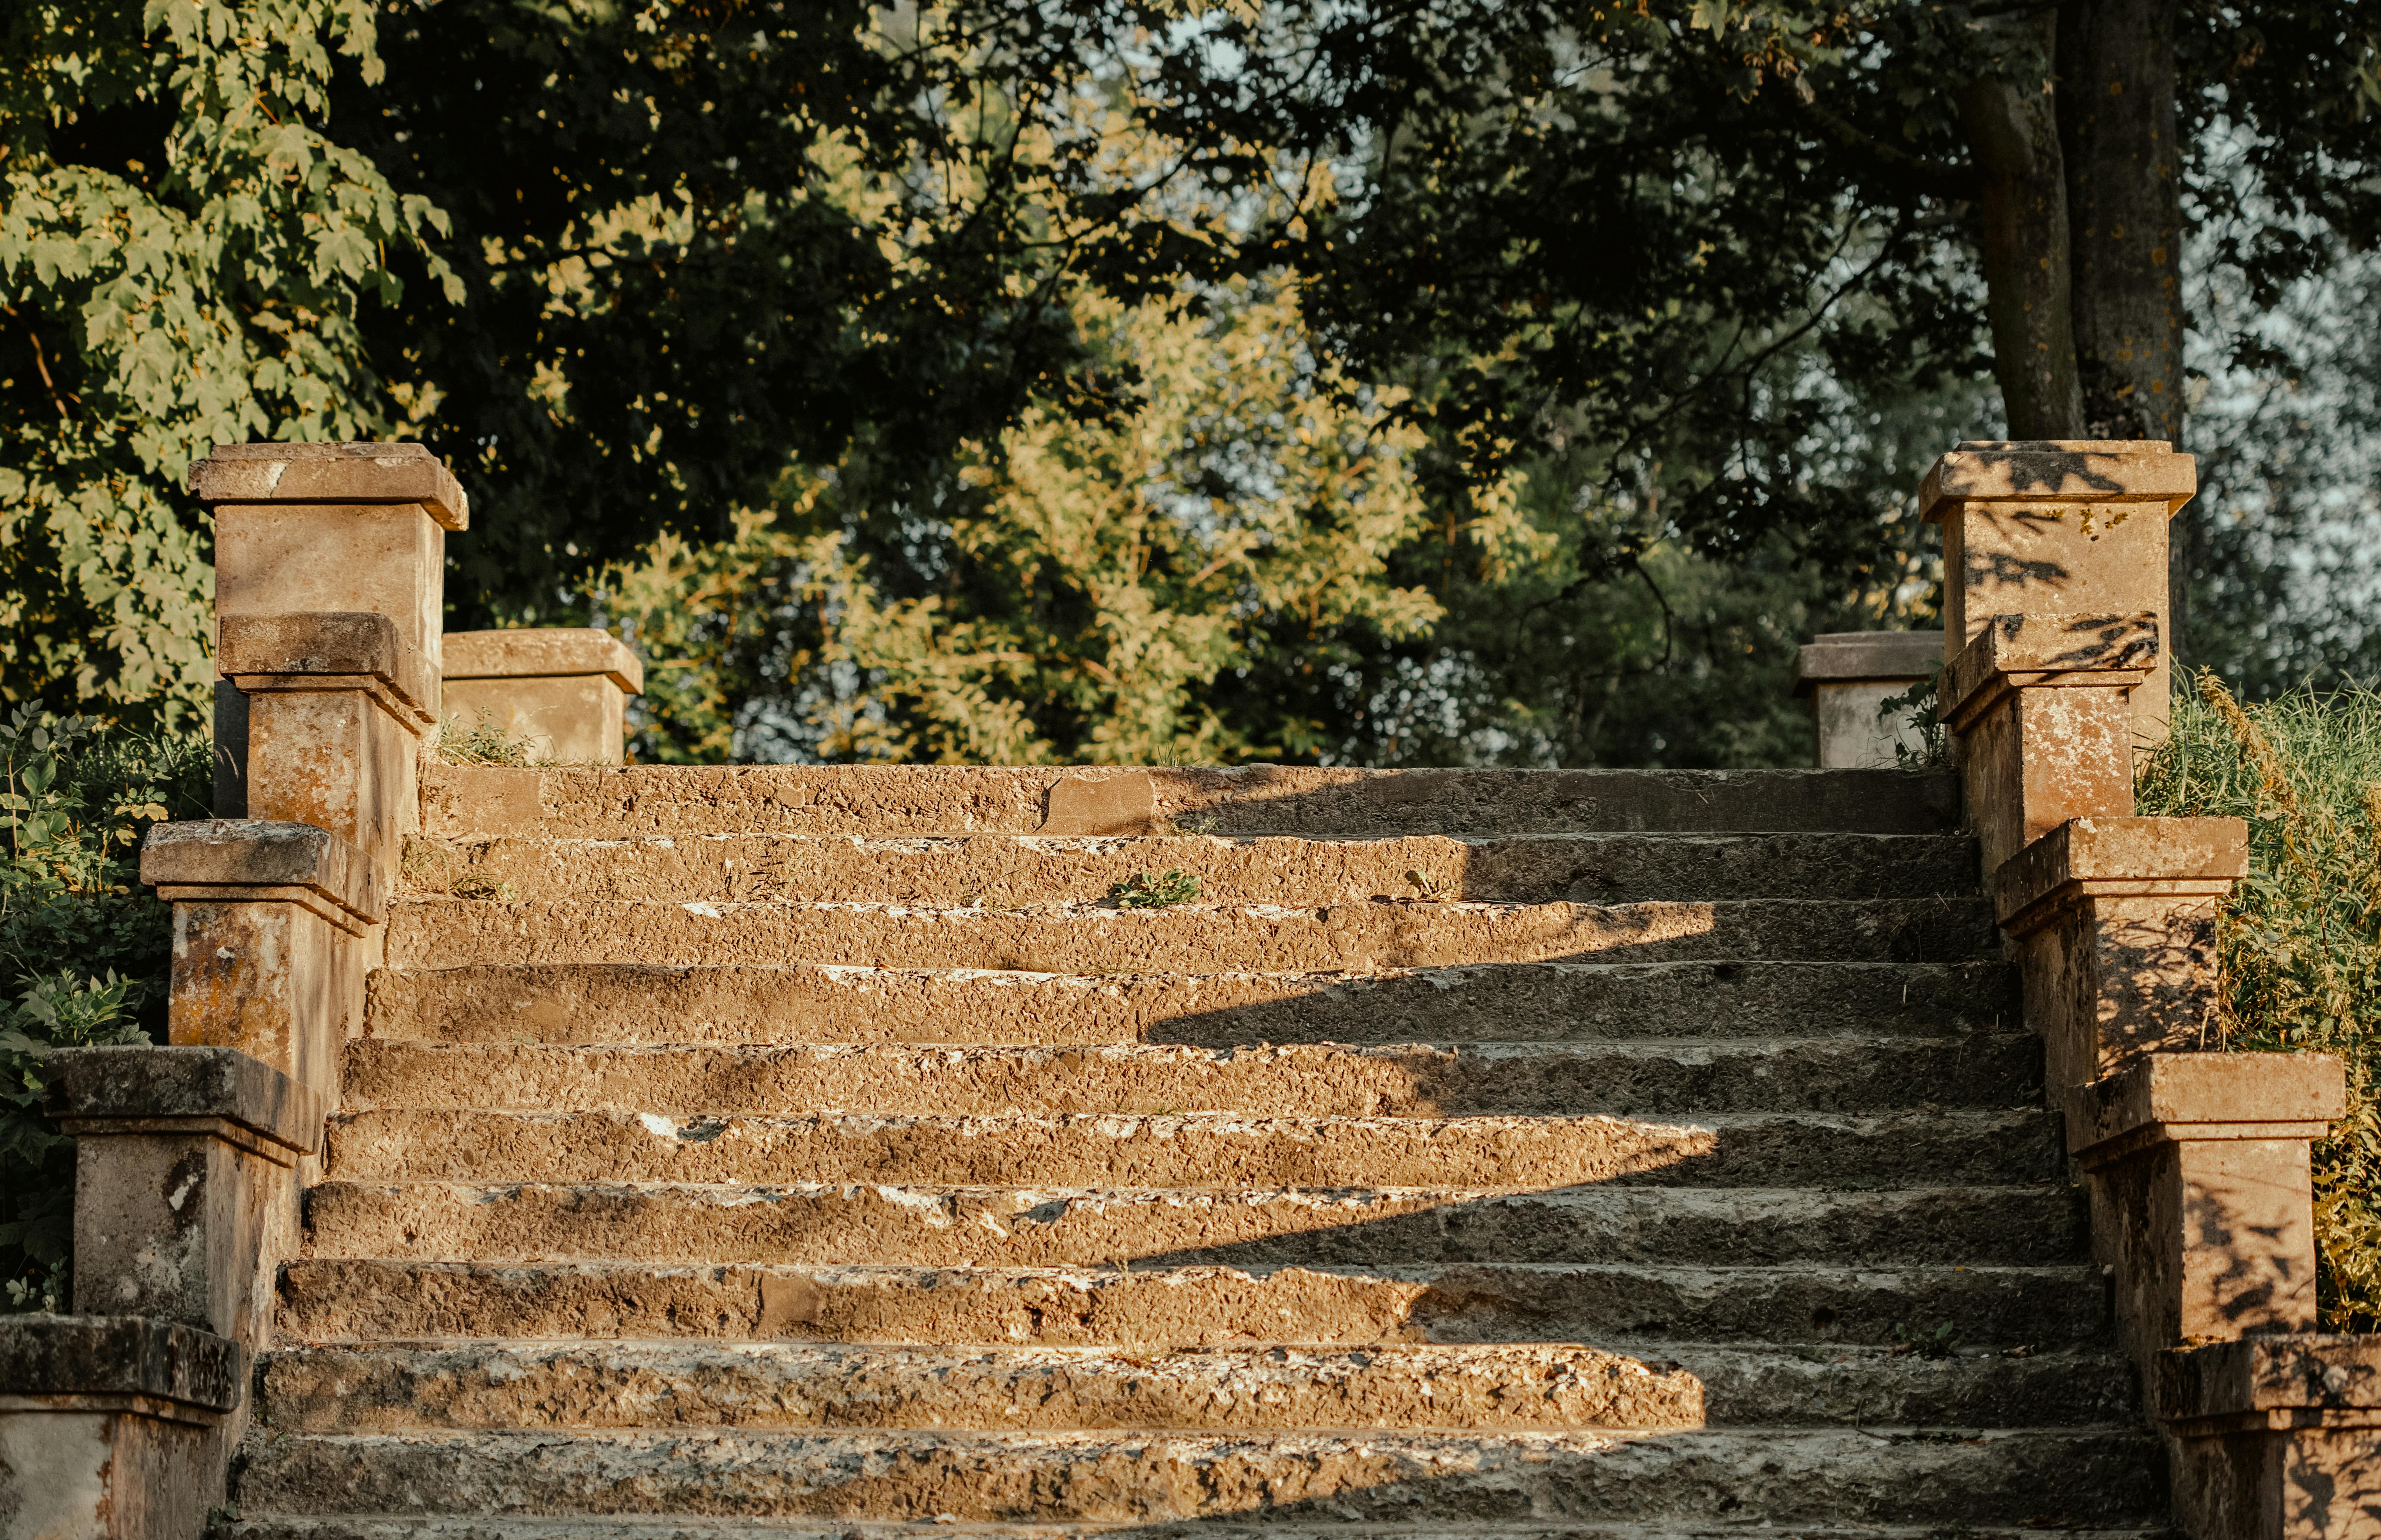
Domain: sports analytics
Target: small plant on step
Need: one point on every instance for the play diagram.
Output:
(481, 743)
(1917, 1341)
(1142, 891)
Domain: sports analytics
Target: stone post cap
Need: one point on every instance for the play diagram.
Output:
(331, 473)
(2104, 651)
(2279, 1371)
(2128, 857)
(350, 643)
(2058, 471)
(255, 861)
(1834, 657)
(144, 1087)
(543, 652)
(121, 1355)
(2163, 1097)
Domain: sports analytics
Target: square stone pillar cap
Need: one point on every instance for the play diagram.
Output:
(2279, 1372)
(2049, 649)
(1843, 657)
(121, 1355)
(2119, 858)
(142, 1087)
(2058, 471)
(351, 644)
(257, 861)
(2163, 1097)
(331, 473)
(543, 652)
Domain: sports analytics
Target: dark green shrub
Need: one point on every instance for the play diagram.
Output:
(85, 950)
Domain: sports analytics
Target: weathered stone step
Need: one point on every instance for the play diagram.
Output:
(448, 932)
(1150, 1308)
(1201, 1151)
(881, 801)
(1004, 871)
(512, 1527)
(678, 1385)
(627, 1003)
(2103, 1475)
(786, 1387)
(1840, 1074)
(1009, 1227)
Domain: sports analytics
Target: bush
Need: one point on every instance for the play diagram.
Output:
(2301, 938)
(87, 950)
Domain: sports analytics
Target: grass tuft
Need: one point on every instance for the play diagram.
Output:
(2300, 939)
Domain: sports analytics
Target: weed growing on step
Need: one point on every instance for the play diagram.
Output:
(1142, 891)
(2299, 940)
(85, 951)
(481, 743)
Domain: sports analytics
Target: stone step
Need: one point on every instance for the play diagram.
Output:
(629, 1003)
(450, 933)
(1010, 1228)
(1151, 1308)
(884, 801)
(678, 1385)
(1839, 1074)
(786, 1388)
(515, 1527)
(1181, 1153)
(2097, 1475)
(1005, 871)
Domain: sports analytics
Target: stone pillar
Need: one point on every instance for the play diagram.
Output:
(273, 935)
(186, 1181)
(113, 1427)
(326, 528)
(2275, 1437)
(561, 693)
(2202, 1199)
(2056, 526)
(1848, 675)
(2039, 706)
(2113, 924)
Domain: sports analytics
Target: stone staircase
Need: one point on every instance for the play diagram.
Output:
(819, 1152)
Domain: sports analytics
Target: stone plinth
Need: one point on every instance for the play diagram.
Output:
(113, 1427)
(325, 528)
(2201, 1194)
(1848, 675)
(2040, 707)
(561, 693)
(273, 932)
(2113, 921)
(2277, 1437)
(2058, 526)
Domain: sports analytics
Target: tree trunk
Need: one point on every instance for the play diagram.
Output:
(2011, 119)
(2124, 195)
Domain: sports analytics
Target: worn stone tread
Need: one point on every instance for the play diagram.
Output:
(677, 1383)
(1097, 939)
(633, 1003)
(286, 1527)
(1012, 1227)
(1206, 1153)
(1004, 871)
(890, 800)
(1828, 1074)
(2089, 1476)
(1191, 1305)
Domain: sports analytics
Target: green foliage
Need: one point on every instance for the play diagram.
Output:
(1142, 891)
(90, 951)
(183, 253)
(2299, 940)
